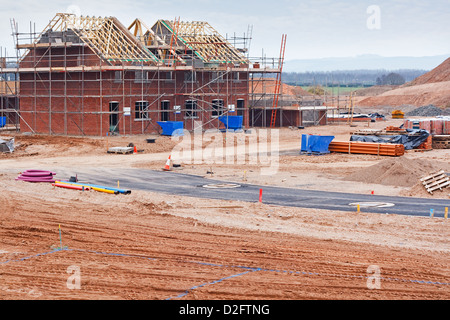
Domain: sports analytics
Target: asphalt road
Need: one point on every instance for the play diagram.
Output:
(193, 186)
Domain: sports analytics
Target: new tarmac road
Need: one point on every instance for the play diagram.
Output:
(196, 186)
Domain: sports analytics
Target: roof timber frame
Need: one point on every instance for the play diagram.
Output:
(107, 37)
(153, 41)
(200, 37)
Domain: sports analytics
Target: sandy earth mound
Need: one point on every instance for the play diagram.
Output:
(439, 74)
(400, 171)
(430, 88)
(417, 95)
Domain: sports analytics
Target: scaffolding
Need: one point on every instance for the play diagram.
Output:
(92, 76)
(9, 103)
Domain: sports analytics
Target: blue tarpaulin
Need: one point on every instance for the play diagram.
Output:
(315, 144)
(411, 140)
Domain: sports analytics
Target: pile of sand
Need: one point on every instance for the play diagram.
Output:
(401, 172)
(439, 74)
(430, 88)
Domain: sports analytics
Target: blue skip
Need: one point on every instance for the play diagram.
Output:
(232, 122)
(315, 144)
(170, 128)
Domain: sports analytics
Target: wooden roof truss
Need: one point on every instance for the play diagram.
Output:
(204, 41)
(107, 37)
(153, 41)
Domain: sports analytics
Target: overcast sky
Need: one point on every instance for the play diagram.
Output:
(314, 28)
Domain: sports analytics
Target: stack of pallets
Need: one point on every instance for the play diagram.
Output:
(436, 181)
(381, 149)
(441, 142)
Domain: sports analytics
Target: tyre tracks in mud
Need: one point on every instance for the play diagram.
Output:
(166, 257)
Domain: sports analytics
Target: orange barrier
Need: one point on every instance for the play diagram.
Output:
(382, 149)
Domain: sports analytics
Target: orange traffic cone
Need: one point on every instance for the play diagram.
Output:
(167, 166)
(135, 149)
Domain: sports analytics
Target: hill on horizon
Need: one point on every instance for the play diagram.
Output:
(364, 62)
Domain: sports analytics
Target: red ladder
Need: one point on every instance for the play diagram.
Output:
(278, 82)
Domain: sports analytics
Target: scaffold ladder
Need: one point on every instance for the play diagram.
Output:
(278, 82)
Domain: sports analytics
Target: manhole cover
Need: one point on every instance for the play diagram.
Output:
(372, 204)
(221, 186)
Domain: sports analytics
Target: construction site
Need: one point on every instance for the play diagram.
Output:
(165, 163)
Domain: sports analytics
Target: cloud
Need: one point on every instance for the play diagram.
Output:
(315, 28)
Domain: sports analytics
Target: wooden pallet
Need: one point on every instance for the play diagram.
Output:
(367, 132)
(441, 137)
(441, 141)
(121, 150)
(375, 132)
(441, 144)
(435, 181)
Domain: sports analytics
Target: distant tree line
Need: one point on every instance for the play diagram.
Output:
(390, 79)
(361, 78)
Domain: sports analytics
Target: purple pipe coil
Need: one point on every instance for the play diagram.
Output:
(37, 176)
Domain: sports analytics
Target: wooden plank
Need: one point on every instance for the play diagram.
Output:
(46, 45)
(441, 137)
(440, 187)
(432, 175)
(437, 183)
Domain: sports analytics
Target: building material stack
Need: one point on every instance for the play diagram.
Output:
(381, 149)
(409, 138)
(439, 129)
(398, 114)
(435, 126)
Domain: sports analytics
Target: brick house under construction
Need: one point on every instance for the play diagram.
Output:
(90, 76)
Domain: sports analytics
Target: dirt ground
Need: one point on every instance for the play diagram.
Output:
(418, 95)
(153, 246)
(429, 88)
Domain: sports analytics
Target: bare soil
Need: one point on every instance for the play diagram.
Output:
(152, 246)
(418, 95)
(430, 88)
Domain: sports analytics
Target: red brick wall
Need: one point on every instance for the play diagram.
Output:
(71, 103)
(60, 57)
